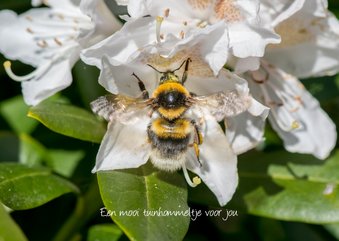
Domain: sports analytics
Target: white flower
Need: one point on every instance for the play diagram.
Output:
(164, 41)
(205, 46)
(245, 131)
(295, 114)
(142, 42)
(50, 39)
(221, 27)
(246, 35)
(310, 40)
(271, 14)
(218, 162)
(36, 3)
(218, 170)
(145, 35)
(122, 2)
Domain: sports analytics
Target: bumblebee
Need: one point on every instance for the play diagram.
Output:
(172, 129)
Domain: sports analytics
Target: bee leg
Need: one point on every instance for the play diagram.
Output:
(142, 87)
(184, 75)
(150, 113)
(197, 140)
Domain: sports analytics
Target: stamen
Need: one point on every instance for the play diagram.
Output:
(166, 12)
(8, 69)
(57, 41)
(71, 14)
(259, 77)
(38, 71)
(61, 16)
(182, 34)
(42, 44)
(196, 179)
(59, 35)
(289, 104)
(202, 24)
(29, 30)
(158, 27)
(285, 127)
(293, 102)
(295, 125)
(63, 24)
(29, 18)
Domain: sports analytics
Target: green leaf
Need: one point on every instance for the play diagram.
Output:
(295, 188)
(104, 232)
(15, 110)
(333, 228)
(64, 162)
(21, 5)
(32, 153)
(9, 147)
(69, 120)
(284, 186)
(22, 187)
(131, 195)
(9, 230)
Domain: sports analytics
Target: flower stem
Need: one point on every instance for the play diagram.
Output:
(86, 206)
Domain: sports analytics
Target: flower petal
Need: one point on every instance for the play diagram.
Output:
(219, 163)
(104, 22)
(317, 135)
(246, 64)
(225, 81)
(36, 3)
(311, 140)
(211, 42)
(15, 41)
(123, 146)
(120, 49)
(248, 36)
(273, 12)
(246, 130)
(295, 114)
(122, 2)
(61, 4)
(310, 42)
(57, 78)
(250, 41)
(119, 79)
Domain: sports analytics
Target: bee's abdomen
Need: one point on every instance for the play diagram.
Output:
(169, 142)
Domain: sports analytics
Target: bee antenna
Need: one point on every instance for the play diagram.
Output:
(155, 69)
(185, 61)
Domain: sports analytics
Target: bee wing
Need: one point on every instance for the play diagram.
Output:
(120, 108)
(223, 104)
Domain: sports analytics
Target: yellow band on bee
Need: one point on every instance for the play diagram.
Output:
(178, 130)
(170, 86)
(172, 114)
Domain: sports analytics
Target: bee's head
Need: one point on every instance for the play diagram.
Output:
(169, 75)
(171, 95)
